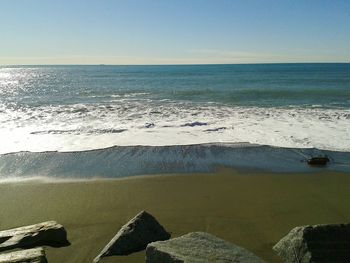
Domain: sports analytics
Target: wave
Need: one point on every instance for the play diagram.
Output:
(91, 126)
(121, 161)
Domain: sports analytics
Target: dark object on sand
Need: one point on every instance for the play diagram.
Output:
(48, 233)
(316, 244)
(34, 255)
(198, 247)
(323, 160)
(134, 236)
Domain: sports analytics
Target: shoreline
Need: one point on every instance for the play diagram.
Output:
(319, 171)
(126, 161)
(251, 209)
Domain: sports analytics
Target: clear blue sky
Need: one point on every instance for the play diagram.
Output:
(173, 31)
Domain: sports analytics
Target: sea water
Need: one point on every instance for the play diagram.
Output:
(79, 108)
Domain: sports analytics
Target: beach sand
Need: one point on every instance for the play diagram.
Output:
(250, 209)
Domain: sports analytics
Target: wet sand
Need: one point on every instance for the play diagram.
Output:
(250, 209)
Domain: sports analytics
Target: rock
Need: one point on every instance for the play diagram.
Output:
(318, 243)
(198, 247)
(47, 233)
(34, 255)
(321, 160)
(134, 236)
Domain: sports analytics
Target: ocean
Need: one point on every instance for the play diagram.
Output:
(61, 110)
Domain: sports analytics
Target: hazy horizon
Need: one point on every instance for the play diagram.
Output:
(140, 32)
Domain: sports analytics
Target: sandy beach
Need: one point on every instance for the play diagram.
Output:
(225, 117)
(250, 209)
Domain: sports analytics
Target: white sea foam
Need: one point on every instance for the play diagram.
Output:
(142, 122)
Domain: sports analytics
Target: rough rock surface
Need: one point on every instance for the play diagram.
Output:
(198, 247)
(34, 255)
(134, 236)
(47, 233)
(318, 243)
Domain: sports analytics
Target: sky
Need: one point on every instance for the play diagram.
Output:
(173, 31)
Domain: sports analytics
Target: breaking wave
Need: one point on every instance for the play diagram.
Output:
(82, 127)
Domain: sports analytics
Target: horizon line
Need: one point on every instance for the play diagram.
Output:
(175, 64)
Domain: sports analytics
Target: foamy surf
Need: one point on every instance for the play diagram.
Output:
(87, 127)
(78, 108)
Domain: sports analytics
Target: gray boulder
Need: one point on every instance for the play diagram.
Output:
(134, 236)
(318, 243)
(34, 255)
(47, 233)
(198, 247)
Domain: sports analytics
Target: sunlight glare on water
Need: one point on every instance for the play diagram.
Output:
(72, 108)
